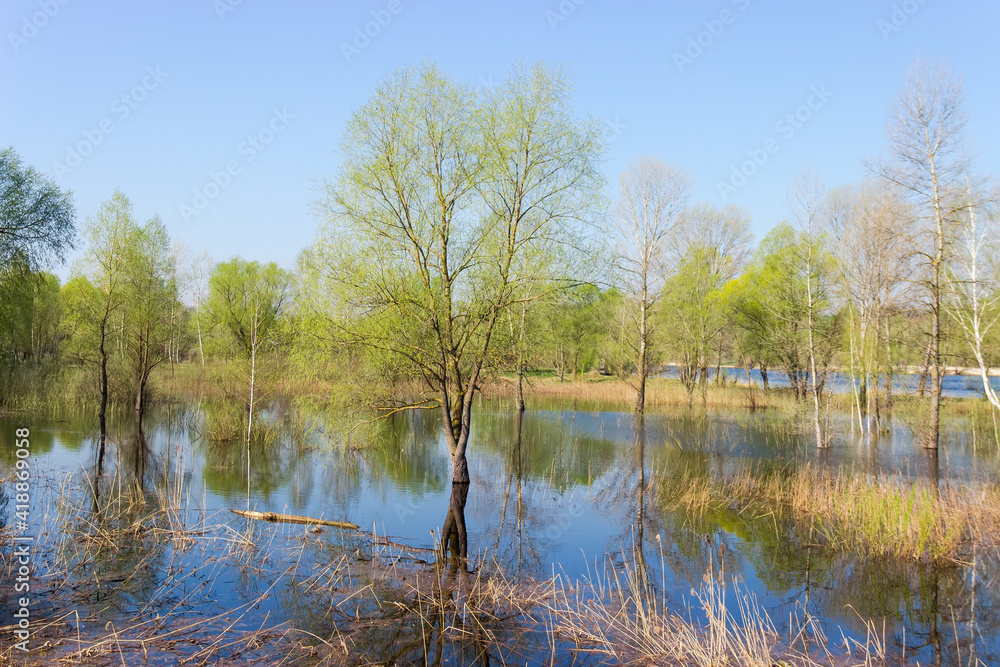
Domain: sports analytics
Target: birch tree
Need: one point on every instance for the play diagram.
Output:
(805, 200)
(873, 267)
(974, 302)
(652, 196)
(928, 160)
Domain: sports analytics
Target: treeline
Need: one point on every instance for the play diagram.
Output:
(490, 250)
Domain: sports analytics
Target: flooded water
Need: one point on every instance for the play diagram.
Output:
(553, 491)
(952, 385)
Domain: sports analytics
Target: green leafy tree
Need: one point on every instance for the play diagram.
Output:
(36, 217)
(150, 299)
(118, 302)
(96, 294)
(713, 245)
(247, 300)
(450, 209)
(770, 302)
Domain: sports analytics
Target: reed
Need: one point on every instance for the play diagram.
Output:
(885, 517)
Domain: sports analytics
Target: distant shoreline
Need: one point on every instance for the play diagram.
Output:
(908, 370)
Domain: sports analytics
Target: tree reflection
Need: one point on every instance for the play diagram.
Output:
(454, 536)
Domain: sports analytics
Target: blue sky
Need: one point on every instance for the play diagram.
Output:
(162, 95)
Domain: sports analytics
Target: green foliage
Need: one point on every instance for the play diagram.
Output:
(29, 312)
(247, 300)
(770, 304)
(36, 217)
(451, 209)
(119, 302)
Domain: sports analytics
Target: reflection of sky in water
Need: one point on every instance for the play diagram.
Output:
(557, 499)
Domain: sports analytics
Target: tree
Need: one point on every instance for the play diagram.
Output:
(97, 294)
(873, 267)
(247, 300)
(36, 217)
(770, 302)
(29, 312)
(928, 161)
(574, 328)
(196, 278)
(149, 293)
(805, 200)
(713, 245)
(652, 196)
(450, 209)
(120, 298)
(974, 295)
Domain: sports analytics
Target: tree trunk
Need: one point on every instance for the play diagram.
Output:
(519, 398)
(201, 347)
(927, 370)
(104, 376)
(640, 395)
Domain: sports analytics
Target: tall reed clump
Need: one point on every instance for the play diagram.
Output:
(47, 389)
(880, 517)
(619, 613)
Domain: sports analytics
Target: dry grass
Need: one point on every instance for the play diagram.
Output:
(883, 517)
(660, 393)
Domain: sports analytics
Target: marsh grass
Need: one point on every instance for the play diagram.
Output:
(661, 393)
(884, 517)
(47, 389)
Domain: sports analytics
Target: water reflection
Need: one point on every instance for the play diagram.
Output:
(552, 490)
(454, 536)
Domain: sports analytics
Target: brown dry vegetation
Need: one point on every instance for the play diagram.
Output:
(878, 517)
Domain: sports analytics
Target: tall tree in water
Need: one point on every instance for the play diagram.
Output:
(651, 199)
(150, 301)
(928, 160)
(247, 300)
(451, 208)
(873, 266)
(97, 294)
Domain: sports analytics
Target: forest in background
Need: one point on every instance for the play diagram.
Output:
(467, 236)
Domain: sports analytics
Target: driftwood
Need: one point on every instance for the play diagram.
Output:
(273, 517)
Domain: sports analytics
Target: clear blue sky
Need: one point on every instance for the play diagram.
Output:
(198, 77)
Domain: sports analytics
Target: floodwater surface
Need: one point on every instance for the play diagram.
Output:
(554, 492)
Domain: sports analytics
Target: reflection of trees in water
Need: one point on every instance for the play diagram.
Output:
(553, 447)
(925, 602)
(405, 447)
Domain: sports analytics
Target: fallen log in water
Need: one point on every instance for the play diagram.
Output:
(274, 517)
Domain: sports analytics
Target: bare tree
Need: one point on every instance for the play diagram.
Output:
(873, 258)
(928, 161)
(199, 270)
(974, 292)
(652, 197)
(805, 199)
